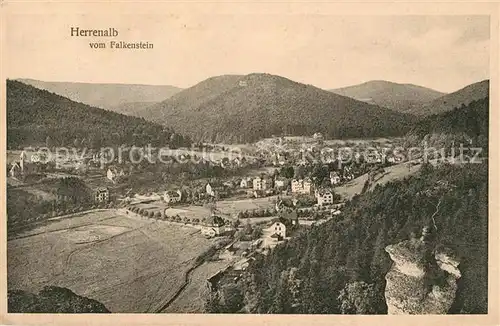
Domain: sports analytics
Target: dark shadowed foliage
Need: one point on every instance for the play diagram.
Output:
(52, 299)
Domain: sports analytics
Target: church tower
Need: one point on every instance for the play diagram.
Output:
(22, 157)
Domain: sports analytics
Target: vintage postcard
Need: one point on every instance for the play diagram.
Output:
(194, 163)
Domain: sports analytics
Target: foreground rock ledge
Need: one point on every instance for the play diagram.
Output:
(420, 282)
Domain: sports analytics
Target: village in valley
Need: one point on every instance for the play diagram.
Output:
(246, 201)
(263, 161)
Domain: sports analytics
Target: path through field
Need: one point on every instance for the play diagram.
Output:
(129, 265)
(193, 296)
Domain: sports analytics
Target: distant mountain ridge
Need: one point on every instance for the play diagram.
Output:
(466, 95)
(236, 108)
(106, 95)
(136, 109)
(394, 96)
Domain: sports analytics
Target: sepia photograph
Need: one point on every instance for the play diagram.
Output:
(247, 162)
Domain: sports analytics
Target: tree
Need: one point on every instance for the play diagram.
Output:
(231, 298)
(248, 229)
(256, 232)
(358, 298)
(319, 173)
(299, 172)
(48, 142)
(74, 189)
(52, 299)
(287, 172)
(212, 304)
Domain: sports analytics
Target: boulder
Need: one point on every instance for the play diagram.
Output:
(420, 281)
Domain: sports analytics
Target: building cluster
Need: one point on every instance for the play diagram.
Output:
(25, 166)
(214, 226)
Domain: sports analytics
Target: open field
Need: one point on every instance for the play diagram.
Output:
(336, 142)
(192, 299)
(396, 172)
(191, 211)
(225, 208)
(232, 207)
(130, 265)
(392, 173)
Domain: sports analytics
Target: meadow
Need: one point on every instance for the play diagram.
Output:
(129, 265)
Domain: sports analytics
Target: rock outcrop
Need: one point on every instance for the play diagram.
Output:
(420, 281)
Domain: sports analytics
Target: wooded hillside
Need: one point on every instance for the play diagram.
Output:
(38, 117)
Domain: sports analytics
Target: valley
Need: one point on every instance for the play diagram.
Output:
(194, 225)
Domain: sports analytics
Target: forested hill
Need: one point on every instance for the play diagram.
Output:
(450, 101)
(468, 124)
(36, 116)
(106, 95)
(308, 273)
(394, 96)
(247, 108)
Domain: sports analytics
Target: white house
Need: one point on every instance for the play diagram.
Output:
(246, 183)
(279, 229)
(280, 183)
(324, 197)
(302, 186)
(15, 170)
(101, 195)
(111, 174)
(214, 225)
(262, 183)
(318, 136)
(334, 178)
(237, 161)
(208, 232)
(210, 190)
(35, 158)
(172, 196)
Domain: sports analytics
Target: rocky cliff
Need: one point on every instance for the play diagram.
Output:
(420, 280)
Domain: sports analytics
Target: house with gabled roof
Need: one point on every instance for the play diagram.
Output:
(302, 186)
(101, 195)
(278, 230)
(334, 178)
(15, 170)
(214, 225)
(171, 196)
(324, 197)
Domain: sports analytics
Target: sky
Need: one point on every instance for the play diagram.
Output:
(328, 51)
